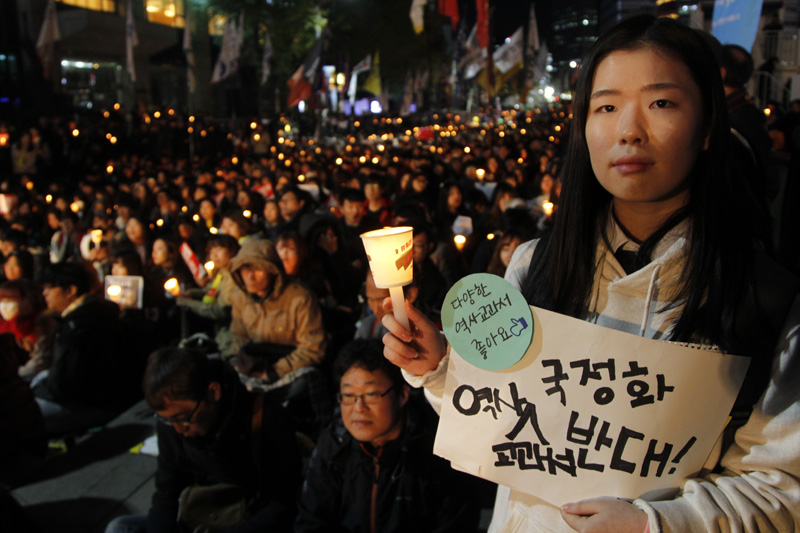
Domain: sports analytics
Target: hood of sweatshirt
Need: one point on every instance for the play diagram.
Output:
(260, 253)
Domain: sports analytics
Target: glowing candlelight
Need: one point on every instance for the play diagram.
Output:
(114, 292)
(97, 236)
(548, 208)
(172, 286)
(209, 266)
(460, 241)
(391, 261)
(481, 173)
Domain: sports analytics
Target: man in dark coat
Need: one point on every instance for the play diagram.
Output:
(214, 431)
(374, 468)
(93, 375)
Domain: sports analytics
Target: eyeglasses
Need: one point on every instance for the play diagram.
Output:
(369, 398)
(183, 420)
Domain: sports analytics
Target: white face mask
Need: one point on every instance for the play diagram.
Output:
(9, 309)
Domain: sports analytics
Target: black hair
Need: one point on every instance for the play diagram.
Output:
(717, 274)
(349, 194)
(66, 275)
(223, 241)
(25, 262)
(14, 235)
(366, 354)
(738, 65)
(177, 374)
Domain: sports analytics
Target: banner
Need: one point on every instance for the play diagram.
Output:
(266, 56)
(305, 77)
(228, 59)
(509, 55)
(586, 411)
(449, 8)
(189, 51)
(736, 22)
(417, 15)
(48, 35)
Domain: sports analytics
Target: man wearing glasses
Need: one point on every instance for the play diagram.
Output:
(373, 469)
(208, 434)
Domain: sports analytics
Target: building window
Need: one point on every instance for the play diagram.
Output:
(166, 12)
(109, 6)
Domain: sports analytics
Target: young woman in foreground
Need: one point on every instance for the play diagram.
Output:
(649, 214)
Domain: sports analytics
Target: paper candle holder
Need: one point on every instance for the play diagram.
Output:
(390, 252)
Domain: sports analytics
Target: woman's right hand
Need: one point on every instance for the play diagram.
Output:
(417, 351)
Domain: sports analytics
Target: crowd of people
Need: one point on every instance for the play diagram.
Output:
(242, 245)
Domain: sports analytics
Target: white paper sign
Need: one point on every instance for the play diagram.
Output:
(588, 412)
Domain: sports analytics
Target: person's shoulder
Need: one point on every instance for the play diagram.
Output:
(334, 441)
(520, 262)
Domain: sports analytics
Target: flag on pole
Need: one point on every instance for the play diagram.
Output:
(482, 8)
(449, 8)
(417, 15)
(305, 77)
(509, 54)
(373, 83)
(191, 80)
(362, 66)
(228, 59)
(48, 35)
(539, 66)
(131, 40)
(533, 33)
(265, 57)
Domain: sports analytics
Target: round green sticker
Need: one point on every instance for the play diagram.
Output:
(487, 321)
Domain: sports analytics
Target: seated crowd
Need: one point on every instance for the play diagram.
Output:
(255, 302)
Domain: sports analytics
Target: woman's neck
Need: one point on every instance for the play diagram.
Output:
(639, 220)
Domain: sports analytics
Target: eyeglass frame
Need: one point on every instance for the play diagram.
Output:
(376, 396)
(184, 421)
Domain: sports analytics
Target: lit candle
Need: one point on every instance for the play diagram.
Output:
(391, 261)
(114, 292)
(97, 236)
(548, 208)
(209, 266)
(460, 241)
(172, 287)
(480, 173)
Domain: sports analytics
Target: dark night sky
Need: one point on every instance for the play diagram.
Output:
(508, 15)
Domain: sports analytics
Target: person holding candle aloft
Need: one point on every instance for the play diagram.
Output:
(648, 206)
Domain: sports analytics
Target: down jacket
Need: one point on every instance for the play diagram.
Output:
(289, 315)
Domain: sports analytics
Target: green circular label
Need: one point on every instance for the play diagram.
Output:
(487, 321)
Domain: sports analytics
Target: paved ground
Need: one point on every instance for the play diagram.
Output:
(97, 480)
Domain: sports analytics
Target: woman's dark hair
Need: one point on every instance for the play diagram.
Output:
(719, 258)
(131, 261)
(30, 298)
(25, 262)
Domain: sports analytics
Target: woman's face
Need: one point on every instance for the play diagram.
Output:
(11, 268)
(134, 231)
(243, 199)
(160, 253)
(454, 198)
(271, 213)
(207, 210)
(287, 251)
(118, 269)
(229, 227)
(645, 129)
(546, 184)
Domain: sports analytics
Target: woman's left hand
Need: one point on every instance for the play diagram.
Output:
(604, 515)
